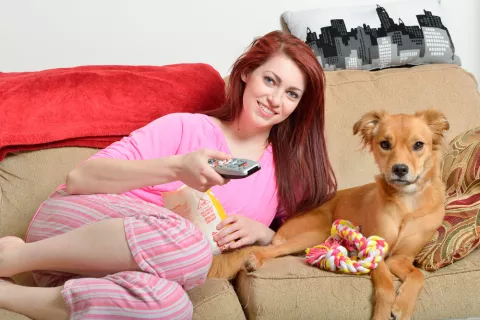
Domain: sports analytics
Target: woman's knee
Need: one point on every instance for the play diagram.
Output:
(206, 249)
(204, 254)
(197, 262)
(170, 247)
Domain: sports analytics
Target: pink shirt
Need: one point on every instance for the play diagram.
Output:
(180, 133)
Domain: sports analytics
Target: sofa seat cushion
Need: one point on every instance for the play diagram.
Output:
(215, 299)
(7, 315)
(28, 178)
(288, 288)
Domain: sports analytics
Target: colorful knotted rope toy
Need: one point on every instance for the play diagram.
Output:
(333, 254)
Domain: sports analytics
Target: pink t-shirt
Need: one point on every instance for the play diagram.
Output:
(180, 133)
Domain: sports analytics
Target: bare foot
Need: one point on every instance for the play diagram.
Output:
(7, 247)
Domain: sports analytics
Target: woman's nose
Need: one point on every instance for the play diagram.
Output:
(274, 98)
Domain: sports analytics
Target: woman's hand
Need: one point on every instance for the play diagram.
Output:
(195, 171)
(243, 231)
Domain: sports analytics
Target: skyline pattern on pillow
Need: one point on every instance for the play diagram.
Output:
(387, 44)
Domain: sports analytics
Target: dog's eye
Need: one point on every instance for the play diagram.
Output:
(385, 145)
(418, 145)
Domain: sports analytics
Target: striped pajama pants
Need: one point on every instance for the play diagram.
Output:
(173, 254)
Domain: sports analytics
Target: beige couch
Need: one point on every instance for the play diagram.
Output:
(286, 288)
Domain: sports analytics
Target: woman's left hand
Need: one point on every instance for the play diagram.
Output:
(243, 231)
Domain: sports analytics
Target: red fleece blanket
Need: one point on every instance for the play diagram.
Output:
(93, 106)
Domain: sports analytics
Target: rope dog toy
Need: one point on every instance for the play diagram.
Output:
(333, 254)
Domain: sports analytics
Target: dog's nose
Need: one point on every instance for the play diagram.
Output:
(400, 169)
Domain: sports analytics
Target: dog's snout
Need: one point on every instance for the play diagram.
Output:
(400, 169)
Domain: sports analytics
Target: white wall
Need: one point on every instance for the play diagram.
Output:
(41, 34)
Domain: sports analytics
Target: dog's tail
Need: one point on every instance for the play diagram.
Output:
(228, 264)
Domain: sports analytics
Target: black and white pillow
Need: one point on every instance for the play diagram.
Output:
(370, 37)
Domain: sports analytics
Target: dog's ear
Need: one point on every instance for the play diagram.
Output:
(437, 122)
(367, 126)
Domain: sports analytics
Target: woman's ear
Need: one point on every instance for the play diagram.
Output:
(244, 77)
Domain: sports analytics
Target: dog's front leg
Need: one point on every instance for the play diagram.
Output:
(384, 295)
(228, 264)
(283, 247)
(408, 292)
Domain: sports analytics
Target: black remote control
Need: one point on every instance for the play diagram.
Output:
(235, 168)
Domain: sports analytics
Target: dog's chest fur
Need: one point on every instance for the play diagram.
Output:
(410, 202)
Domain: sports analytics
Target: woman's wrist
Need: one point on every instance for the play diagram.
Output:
(167, 169)
(267, 237)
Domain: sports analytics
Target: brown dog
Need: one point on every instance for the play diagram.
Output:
(404, 206)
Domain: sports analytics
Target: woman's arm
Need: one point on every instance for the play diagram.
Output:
(105, 175)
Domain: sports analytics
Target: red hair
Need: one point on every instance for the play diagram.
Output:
(298, 142)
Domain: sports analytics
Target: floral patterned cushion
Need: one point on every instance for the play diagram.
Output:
(459, 233)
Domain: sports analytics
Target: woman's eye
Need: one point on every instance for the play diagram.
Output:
(268, 80)
(418, 145)
(293, 95)
(385, 145)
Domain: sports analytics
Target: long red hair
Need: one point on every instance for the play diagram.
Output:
(304, 175)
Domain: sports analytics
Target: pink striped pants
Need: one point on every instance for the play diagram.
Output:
(173, 254)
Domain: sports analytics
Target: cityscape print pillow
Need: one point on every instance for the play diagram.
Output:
(340, 40)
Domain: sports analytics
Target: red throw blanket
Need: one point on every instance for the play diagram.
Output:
(93, 106)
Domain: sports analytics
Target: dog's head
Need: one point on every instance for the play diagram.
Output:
(405, 147)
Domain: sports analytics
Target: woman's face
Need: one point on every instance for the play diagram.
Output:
(272, 91)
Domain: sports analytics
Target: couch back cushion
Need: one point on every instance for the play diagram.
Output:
(350, 94)
(28, 178)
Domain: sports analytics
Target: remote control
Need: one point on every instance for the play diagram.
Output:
(235, 168)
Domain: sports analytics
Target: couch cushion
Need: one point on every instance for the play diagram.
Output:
(288, 288)
(215, 299)
(27, 179)
(459, 233)
(7, 315)
(350, 94)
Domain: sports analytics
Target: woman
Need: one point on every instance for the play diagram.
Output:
(104, 243)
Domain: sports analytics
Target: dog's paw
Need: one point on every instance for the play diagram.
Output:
(252, 263)
(383, 317)
(401, 311)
